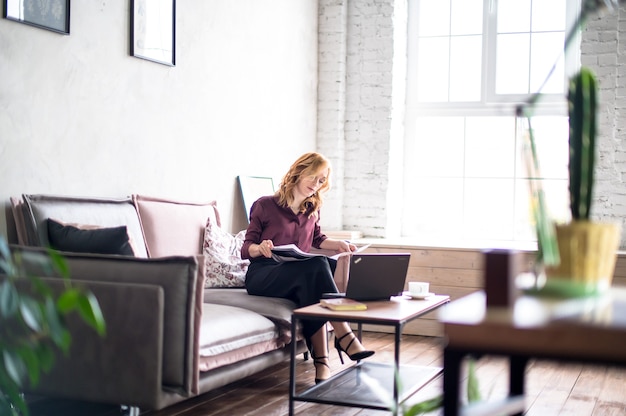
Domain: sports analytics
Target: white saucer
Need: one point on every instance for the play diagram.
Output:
(421, 296)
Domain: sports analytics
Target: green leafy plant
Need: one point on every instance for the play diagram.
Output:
(32, 321)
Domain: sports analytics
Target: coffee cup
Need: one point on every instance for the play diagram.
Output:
(418, 288)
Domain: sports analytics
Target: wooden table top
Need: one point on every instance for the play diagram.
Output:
(398, 309)
(585, 328)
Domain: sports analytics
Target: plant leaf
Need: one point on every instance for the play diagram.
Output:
(9, 299)
(31, 313)
(87, 306)
(5, 253)
(7, 267)
(31, 361)
(68, 301)
(15, 368)
(46, 357)
(58, 333)
(91, 313)
(11, 401)
(425, 406)
(473, 389)
(59, 263)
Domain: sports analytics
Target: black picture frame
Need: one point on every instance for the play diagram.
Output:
(153, 30)
(53, 15)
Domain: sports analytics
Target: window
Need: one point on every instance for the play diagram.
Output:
(471, 63)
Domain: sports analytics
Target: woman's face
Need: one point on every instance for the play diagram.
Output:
(310, 184)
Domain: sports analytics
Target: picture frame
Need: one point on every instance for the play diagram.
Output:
(52, 15)
(252, 188)
(153, 30)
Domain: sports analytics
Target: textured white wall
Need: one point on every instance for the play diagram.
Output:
(604, 50)
(79, 116)
(360, 119)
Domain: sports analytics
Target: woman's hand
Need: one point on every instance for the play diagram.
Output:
(263, 249)
(340, 246)
(345, 246)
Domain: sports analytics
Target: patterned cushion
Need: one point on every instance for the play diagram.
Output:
(222, 257)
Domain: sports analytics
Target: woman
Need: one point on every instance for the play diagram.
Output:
(291, 216)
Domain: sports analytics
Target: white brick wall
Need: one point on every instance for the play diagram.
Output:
(332, 56)
(366, 84)
(603, 49)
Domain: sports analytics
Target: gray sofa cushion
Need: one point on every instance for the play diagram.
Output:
(92, 211)
(277, 309)
(229, 334)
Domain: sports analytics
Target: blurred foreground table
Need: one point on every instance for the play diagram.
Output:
(591, 329)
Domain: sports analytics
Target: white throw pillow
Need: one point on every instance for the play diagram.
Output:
(222, 257)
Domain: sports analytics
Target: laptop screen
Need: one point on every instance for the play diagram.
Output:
(377, 276)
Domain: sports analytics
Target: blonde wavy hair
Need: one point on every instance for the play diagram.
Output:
(307, 165)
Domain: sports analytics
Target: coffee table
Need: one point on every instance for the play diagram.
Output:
(360, 385)
(591, 329)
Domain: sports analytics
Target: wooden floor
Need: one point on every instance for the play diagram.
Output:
(552, 388)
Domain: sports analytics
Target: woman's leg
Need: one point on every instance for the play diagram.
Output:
(319, 346)
(303, 282)
(346, 341)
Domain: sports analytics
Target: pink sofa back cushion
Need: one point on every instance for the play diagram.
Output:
(174, 228)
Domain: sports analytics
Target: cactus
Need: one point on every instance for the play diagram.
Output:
(582, 136)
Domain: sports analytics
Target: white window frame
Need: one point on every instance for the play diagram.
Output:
(490, 104)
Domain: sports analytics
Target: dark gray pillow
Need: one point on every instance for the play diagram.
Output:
(66, 237)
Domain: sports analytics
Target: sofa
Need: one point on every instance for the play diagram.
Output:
(179, 321)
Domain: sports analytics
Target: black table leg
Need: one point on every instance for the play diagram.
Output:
(517, 365)
(292, 367)
(451, 381)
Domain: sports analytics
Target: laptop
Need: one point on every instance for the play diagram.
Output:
(375, 276)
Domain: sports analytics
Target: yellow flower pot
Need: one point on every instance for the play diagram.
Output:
(588, 252)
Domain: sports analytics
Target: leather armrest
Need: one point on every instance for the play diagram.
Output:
(124, 366)
(178, 278)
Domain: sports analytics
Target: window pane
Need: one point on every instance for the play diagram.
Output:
(435, 210)
(548, 15)
(489, 208)
(432, 69)
(465, 68)
(490, 147)
(514, 16)
(523, 223)
(439, 146)
(551, 142)
(467, 17)
(512, 64)
(434, 18)
(546, 48)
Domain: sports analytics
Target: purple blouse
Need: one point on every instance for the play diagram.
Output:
(270, 221)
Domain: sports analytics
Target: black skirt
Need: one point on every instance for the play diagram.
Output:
(302, 282)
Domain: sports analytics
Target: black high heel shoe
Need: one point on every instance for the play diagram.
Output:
(318, 361)
(360, 355)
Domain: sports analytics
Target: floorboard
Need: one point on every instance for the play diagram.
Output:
(552, 388)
